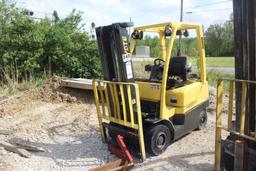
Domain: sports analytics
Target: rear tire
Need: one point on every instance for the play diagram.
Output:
(202, 120)
(157, 139)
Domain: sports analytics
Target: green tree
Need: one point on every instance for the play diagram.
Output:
(214, 37)
(30, 48)
(220, 39)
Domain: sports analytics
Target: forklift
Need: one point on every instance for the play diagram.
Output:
(154, 112)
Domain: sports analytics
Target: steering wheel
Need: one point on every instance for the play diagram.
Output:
(158, 61)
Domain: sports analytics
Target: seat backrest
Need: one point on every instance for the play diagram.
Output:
(178, 67)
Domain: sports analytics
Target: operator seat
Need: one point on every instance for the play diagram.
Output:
(178, 71)
(156, 73)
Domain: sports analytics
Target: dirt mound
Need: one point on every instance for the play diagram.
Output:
(51, 92)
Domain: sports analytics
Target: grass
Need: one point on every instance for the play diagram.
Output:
(13, 87)
(220, 62)
(139, 69)
(213, 76)
(228, 62)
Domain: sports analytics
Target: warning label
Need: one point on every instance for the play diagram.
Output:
(129, 70)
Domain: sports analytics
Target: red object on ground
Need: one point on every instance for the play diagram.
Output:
(113, 149)
(120, 140)
(124, 163)
(123, 152)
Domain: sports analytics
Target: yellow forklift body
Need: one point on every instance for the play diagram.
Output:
(187, 96)
(172, 101)
(182, 99)
(150, 91)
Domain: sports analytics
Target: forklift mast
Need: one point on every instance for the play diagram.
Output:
(238, 150)
(245, 56)
(116, 60)
(113, 41)
(245, 69)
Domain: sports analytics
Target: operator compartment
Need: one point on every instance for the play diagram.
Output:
(183, 88)
(179, 75)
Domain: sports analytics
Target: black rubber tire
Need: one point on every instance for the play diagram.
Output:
(203, 118)
(157, 139)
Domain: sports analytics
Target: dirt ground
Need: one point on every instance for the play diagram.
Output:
(64, 122)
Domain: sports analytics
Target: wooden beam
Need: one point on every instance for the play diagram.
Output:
(79, 83)
(29, 147)
(15, 149)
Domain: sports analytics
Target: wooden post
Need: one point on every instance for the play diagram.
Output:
(218, 126)
(240, 158)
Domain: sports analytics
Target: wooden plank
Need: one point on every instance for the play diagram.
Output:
(116, 165)
(79, 83)
(29, 147)
(15, 149)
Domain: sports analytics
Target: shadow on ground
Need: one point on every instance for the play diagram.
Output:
(177, 162)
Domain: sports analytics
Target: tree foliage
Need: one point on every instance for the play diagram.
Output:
(219, 39)
(188, 46)
(29, 47)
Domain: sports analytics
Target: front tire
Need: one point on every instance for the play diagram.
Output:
(202, 120)
(157, 139)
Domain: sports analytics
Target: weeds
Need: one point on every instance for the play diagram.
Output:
(214, 76)
(13, 87)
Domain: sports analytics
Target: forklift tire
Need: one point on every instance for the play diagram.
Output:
(202, 120)
(157, 139)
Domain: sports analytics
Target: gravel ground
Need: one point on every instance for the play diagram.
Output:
(70, 134)
(3, 97)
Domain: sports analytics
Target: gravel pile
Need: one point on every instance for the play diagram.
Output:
(70, 134)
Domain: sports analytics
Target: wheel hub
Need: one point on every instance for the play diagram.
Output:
(160, 140)
(203, 119)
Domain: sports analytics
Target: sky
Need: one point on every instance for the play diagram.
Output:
(142, 12)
